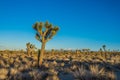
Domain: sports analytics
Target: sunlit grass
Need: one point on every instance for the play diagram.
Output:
(82, 66)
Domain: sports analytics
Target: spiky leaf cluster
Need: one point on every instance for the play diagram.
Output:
(45, 31)
(30, 46)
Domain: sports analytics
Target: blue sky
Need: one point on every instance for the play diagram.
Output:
(83, 23)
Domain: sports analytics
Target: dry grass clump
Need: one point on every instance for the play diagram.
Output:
(2, 64)
(13, 71)
(80, 73)
(33, 74)
(94, 73)
(95, 70)
(3, 73)
(111, 75)
(52, 75)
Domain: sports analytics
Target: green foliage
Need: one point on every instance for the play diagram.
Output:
(30, 45)
(45, 31)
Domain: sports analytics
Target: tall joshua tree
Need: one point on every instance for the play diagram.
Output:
(45, 32)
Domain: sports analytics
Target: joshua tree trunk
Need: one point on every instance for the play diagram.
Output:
(41, 53)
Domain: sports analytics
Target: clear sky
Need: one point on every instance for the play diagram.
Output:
(83, 23)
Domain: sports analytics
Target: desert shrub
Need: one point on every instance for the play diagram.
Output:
(95, 72)
(3, 73)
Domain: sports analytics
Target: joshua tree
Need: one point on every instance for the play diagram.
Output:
(30, 48)
(78, 51)
(45, 32)
(100, 50)
(53, 51)
(104, 47)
